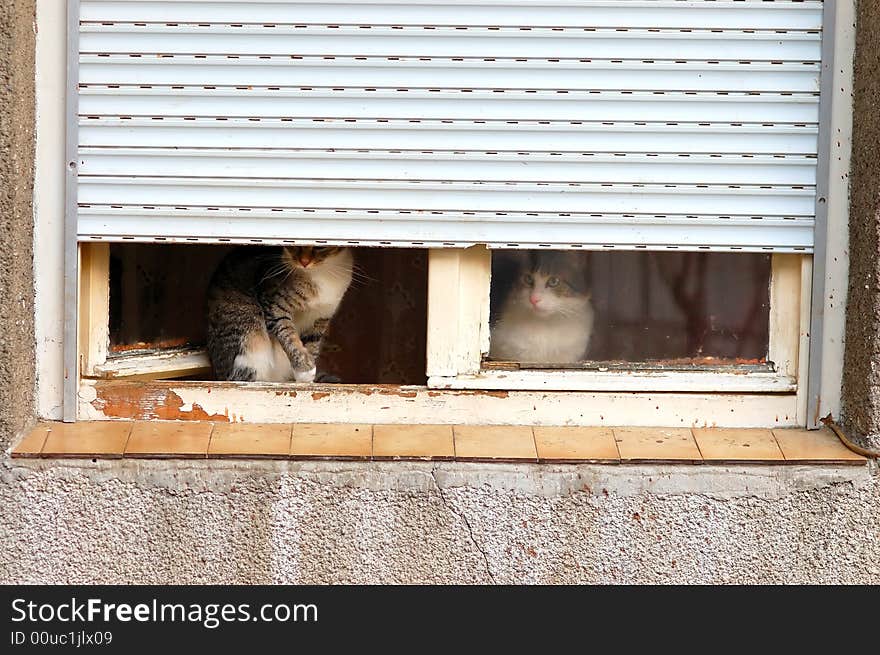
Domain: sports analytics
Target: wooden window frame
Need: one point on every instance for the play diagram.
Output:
(459, 390)
(94, 331)
(458, 338)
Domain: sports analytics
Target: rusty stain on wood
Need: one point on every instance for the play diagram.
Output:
(399, 393)
(494, 393)
(499, 365)
(381, 389)
(707, 363)
(141, 402)
(318, 395)
(150, 345)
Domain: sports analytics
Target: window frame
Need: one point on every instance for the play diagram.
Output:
(458, 338)
(59, 387)
(94, 331)
(137, 386)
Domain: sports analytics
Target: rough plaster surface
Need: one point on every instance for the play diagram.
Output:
(155, 522)
(16, 216)
(861, 387)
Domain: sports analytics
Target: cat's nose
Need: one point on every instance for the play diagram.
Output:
(534, 300)
(305, 260)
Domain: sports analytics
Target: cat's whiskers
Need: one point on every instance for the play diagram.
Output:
(569, 311)
(357, 269)
(339, 272)
(360, 277)
(287, 277)
(278, 269)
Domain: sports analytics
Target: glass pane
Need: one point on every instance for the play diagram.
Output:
(567, 307)
(377, 335)
(157, 295)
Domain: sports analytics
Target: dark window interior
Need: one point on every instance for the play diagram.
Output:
(661, 307)
(687, 307)
(157, 301)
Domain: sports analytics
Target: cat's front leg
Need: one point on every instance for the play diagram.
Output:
(313, 338)
(301, 360)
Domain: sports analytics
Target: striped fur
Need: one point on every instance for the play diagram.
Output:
(269, 308)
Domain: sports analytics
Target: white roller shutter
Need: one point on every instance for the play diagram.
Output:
(594, 123)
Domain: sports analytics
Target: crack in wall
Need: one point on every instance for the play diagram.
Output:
(464, 520)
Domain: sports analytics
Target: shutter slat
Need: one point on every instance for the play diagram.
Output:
(462, 166)
(449, 73)
(459, 196)
(153, 41)
(537, 13)
(405, 229)
(580, 136)
(453, 104)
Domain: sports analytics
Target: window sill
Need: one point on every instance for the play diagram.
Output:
(553, 445)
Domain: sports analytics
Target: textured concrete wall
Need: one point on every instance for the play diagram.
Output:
(200, 522)
(861, 387)
(16, 216)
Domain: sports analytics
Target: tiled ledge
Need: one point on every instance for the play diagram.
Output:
(200, 440)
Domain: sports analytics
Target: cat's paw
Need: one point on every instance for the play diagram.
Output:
(306, 376)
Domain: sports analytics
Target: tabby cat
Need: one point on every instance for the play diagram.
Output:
(547, 315)
(269, 308)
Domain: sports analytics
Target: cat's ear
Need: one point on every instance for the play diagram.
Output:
(510, 258)
(578, 263)
(509, 265)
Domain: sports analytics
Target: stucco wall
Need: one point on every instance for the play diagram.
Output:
(16, 216)
(861, 387)
(416, 522)
(83, 521)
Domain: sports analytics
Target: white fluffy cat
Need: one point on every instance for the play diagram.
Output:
(547, 316)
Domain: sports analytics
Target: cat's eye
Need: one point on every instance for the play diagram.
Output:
(528, 279)
(553, 282)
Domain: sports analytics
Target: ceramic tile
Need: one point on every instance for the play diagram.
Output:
(169, 439)
(821, 446)
(656, 444)
(495, 443)
(574, 444)
(87, 439)
(413, 442)
(250, 440)
(32, 443)
(737, 445)
(332, 441)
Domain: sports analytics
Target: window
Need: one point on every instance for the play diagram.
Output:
(153, 315)
(701, 322)
(578, 309)
(452, 134)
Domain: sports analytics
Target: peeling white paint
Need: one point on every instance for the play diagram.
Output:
(307, 403)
